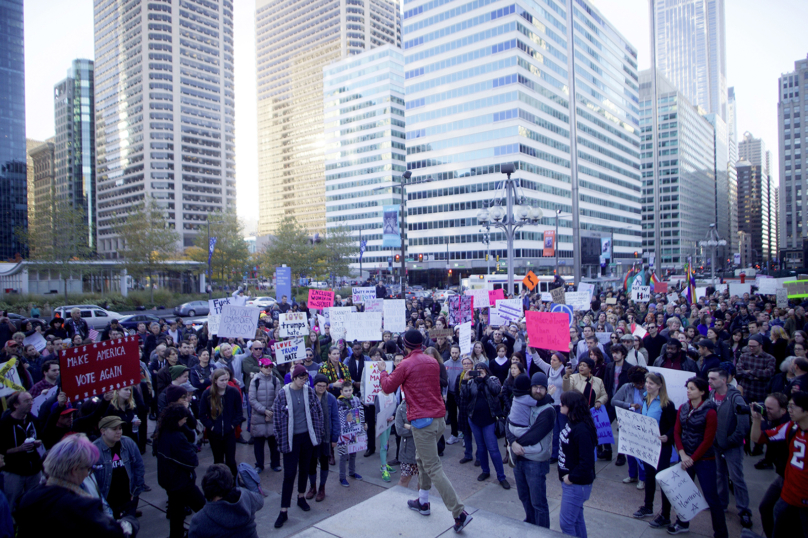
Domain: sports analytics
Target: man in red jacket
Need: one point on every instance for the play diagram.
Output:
(418, 375)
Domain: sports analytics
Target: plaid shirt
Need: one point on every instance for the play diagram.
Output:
(281, 419)
(754, 373)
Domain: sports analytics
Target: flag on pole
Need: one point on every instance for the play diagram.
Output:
(362, 245)
(211, 246)
(629, 278)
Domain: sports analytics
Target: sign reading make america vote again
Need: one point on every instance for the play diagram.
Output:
(94, 369)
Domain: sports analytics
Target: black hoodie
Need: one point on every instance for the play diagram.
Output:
(576, 453)
(232, 516)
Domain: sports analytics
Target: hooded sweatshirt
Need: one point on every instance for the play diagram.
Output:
(232, 516)
(519, 417)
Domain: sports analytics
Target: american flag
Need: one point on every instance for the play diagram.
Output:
(94, 335)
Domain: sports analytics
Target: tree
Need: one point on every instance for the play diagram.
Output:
(59, 239)
(292, 246)
(148, 240)
(230, 255)
(338, 249)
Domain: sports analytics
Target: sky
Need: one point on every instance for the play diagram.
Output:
(762, 43)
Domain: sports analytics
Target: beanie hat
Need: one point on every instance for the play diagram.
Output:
(413, 339)
(589, 362)
(266, 361)
(176, 371)
(539, 379)
(174, 393)
(299, 371)
(521, 385)
(320, 378)
(757, 338)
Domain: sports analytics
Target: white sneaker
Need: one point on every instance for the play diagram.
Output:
(629, 480)
(641, 485)
(452, 440)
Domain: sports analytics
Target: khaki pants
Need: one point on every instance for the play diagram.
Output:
(430, 468)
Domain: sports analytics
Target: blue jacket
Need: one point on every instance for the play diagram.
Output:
(333, 427)
(132, 461)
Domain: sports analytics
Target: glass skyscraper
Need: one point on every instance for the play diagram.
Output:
(13, 153)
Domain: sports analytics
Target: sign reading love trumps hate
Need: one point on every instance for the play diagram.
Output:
(94, 369)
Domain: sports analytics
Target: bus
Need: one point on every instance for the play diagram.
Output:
(495, 282)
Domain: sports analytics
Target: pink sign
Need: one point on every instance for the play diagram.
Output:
(319, 299)
(493, 295)
(548, 330)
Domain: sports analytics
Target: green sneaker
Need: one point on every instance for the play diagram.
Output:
(385, 474)
(390, 469)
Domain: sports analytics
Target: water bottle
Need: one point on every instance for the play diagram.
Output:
(135, 425)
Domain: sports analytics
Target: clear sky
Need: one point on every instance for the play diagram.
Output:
(762, 43)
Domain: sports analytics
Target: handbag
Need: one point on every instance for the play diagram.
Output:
(499, 427)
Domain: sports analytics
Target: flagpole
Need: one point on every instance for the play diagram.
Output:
(360, 256)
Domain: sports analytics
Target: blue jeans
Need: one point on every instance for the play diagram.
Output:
(487, 442)
(571, 515)
(635, 467)
(531, 485)
(705, 471)
(729, 464)
(560, 422)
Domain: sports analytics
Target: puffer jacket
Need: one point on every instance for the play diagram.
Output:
(419, 375)
(488, 388)
(263, 391)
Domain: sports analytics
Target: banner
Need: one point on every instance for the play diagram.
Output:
(602, 424)
(549, 243)
(370, 384)
(352, 436)
(480, 298)
(510, 309)
(95, 369)
(579, 300)
(293, 324)
(639, 436)
(548, 330)
(239, 322)
(685, 497)
(363, 326)
(605, 251)
(359, 295)
(464, 339)
(460, 309)
(290, 350)
(395, 315)
(675, 383)
(319, 299)
(736, 258)
(283, 282)
(391, 236)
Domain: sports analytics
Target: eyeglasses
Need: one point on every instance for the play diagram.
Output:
(258, 349)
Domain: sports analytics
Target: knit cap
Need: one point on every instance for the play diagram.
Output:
(176, 371)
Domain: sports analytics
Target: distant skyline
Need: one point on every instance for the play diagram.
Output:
(761, 45)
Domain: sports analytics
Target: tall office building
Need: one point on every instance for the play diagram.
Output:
(294, 41)
(754, 151)
(691, 50)
(792, 103)
(365, 145)
(41, 162)
(685, 145)
(13, 174)
(30, 176)
(74, 142)
(486, 84)
(164, 111)
(732, 174)
(754, 212)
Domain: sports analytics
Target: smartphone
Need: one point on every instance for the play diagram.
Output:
(472, 373)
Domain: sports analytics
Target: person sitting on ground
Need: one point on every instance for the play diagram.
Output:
(230, 511)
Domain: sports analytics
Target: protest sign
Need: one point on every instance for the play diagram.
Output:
(319, 299)
(460, 309)
(682, 492)
(611, 300)
(215, 311)
(675, 383)
(494, 295)
(213, 323)
(336, 317)
(721, 288)
(239, 321)
(510, 309)
(98, 368)
(437, 333)
(531, 280)
(10, 378)
(293, 324)
(395, 315)
(548, 330)
(562, 309)
(374, 305)
(464, 340)
(546, 297)
(480, 298)
(589, 288)
(352, 436)
(290, 350)
(603, 337)
(579, 300)
(701, 292)
(558, 295)
(782, 297)
(495, 319)
(370, 385)
(639, 331)
(641, 294)
(639, 436)
(673, 298)
(363, 326)
(387, 410)
(36, 340)
(736, 288)
(42, 398)
(359, 295)
(602, 424)
(661, 287)
(767, 286)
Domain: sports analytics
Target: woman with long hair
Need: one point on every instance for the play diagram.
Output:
(128, 405)
(638, 346)
(220, 412)
(576, 462)
(478, 354)
(462, 415)
(737, 344)
(780, 343)
(336, 372)
(600, 362)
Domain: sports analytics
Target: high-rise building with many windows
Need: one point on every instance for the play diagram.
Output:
(793, 165)
(74, 141)
(294, 41)
(487, 83)
(13, 153)
(164, 111)
(756, 193)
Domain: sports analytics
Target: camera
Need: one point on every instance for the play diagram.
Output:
(472, 373)
(743, 410)
(759, 408)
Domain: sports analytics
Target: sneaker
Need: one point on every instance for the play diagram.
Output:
(746, 520)
(677, 528)
(643, 512)
(660, 522)
(464, 459)
(629, 480)
(462, 521)
(416, 505)
(356, 476)
(385, 474)
(460, 435)
(452, 440)
(259, 469)
(390, 469)
(641, 485)
(344, 483)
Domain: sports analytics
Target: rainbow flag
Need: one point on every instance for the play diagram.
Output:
(629, 278)
(654, 280)
(690, 293)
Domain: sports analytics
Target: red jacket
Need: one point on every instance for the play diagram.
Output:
(418, 375)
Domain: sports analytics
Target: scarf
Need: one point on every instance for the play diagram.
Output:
(333, 375)
(53, 481)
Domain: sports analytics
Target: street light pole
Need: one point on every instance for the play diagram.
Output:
(404, 179)
(713, 241)
(555, 239)
(210, 275)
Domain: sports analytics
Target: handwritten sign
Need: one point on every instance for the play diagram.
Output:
(782, 297)
(215, 311)
(94, 369)
(364, 326)
(464, 338)
(352, 436)
(440, 333)
(530, 281)
(480, 298)
(510, 309)
(460, 309)
(10, 378)
(548, 330)
(290, 350)
(36, 340)
(673, 298)
(641, 294)
(319, 299)
(661, 287)
(602, 424)
(589, 288)
(681, 492)
(579, 300)
(387, 404)
(359, 295)
(370, 385)
(395, 315)
(239, 321)
(639, 436)
(558, 295)
(675, 383)
(767, 286)
(292, 324)
(494, 295)
(336, 317)
(374, 305)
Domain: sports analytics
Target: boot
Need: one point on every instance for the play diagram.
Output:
(320, 493)
(312, 491)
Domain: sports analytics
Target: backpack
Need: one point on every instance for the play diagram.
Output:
(249, 479)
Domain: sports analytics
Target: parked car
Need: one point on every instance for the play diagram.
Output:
(131, 322)
(95, 316)
(19, 321)
(192, 309)
(261, 302)
(443, 295)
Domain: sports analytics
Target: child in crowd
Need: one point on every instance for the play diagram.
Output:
(353, 427)
(406, 453)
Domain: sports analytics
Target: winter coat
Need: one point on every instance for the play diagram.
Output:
(233, 515)
(284, 420)
(488, 388)
(230, 417)
(578, 382)
(176, 461)
(419, 376)
(732, 426)
(263, 391)
(406, 452)
(576, 453)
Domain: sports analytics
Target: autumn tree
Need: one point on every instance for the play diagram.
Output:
(230, 254)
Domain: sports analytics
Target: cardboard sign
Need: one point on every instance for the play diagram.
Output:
(685, 497)
(603, 425)
(460, 309)
(767, 286)
(530, 281)
(319, 299)
(370, 385)
(675, 383)
(639, 436)
(611, 300)
(579, 300)
(464, 338)
(36, 340)
(290, 350)
(782, 297)
(293, 324)
(352, 436)
(359, 295)
(239, 321)
(494, 295)
(395, 315)
(374, 305)
(94, 369)
(548, 330)
(10, 378)
(437, 333)
(510, 309)
(661, 287)
(364, 326)
(480, 298)
(641, 294)
(558, 295)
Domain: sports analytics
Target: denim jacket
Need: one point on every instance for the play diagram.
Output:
(132, 461)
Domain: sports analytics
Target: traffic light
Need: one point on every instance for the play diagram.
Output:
(636, 254)
(450, 272)
(420, 257)
(398, 258)
(497, 258)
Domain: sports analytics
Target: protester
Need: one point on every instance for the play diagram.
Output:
(220, 412)
(119, 470)
(323, 453)
(229, 510)
(776, 453)
(576, 462)
(349, 406)
(264, 388)
(20, 444)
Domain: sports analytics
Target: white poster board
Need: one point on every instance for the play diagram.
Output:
(464, 340)
(395, 315)
(639, 436)
(290, 350)
(481, 299)
(510, 309)
(700, 292)
(336, 317)
(721, 288)
(604, 337)
(589, 288)
(215, 311)
(641, 294)
(374, 305)
(292, 324)
(579, 300)
(370, 385)
(673, 298)
(36, 340)
(239, 321)
(782, 297)
(363, 326)
(388, 410)
(767, 286)
(675, 381)
(736, 288)
(11, 381)
(685, 497)
(639, 331)
(546, 297)
(359, 295)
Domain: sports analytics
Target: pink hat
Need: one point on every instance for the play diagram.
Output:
(266, 362)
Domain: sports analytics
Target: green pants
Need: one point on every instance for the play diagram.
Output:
(430, 469)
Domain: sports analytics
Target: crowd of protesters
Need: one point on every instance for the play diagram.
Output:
(530, 408)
